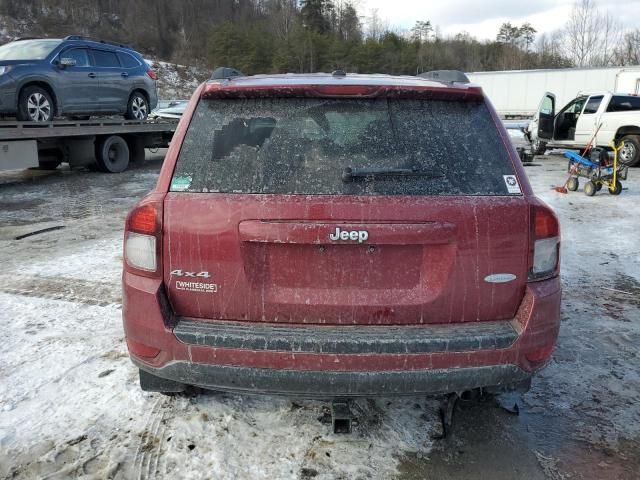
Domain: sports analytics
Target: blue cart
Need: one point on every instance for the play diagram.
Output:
(600, 168)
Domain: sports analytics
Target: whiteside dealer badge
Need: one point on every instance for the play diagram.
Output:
(190, 282)
(199, 287)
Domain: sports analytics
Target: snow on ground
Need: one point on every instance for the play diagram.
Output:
(177, 82)
(87, 416)
(598, 366)
(70, 404)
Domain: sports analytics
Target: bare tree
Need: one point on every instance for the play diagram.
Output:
(550, 44)
(550, 50)
(376, 26)
(583, 35)
(437, 32)
(592, 37)
(611, 30)
(628, 51)
(283, 14)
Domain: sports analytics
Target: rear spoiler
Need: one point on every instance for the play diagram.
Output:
(454, 87)
(216, 90)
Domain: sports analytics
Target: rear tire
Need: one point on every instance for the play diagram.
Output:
(590, 189)
(617, 188)
(573, 184)
(137, 107)
(112, 154)
(35, 105)
(629, 154)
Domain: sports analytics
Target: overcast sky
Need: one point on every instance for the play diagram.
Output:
(482, 18)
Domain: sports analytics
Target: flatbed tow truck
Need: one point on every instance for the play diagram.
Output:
(110, 144)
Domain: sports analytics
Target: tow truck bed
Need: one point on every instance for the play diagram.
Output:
(28, 144)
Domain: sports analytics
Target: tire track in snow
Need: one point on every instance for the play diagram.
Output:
(147, 454)
(57, 288)
(154, 470)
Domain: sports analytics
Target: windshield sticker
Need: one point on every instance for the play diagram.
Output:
(180, 184)
(512, 184)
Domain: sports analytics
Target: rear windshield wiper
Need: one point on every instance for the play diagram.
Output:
(350, 174)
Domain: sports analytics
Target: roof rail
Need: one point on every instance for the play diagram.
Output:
(26, 38)
(106, 42)
(445, 76)
(225, 73)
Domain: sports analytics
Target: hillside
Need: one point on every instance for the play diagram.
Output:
(177, 82)
(270, 36)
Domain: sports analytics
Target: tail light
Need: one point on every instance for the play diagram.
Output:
(152, 74)
(143, 239)
(544, 257)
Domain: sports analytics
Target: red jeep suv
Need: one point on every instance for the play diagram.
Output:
(338, 235)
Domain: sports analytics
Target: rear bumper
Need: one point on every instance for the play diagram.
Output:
(327, 384)
(319, 362)
(347, 339)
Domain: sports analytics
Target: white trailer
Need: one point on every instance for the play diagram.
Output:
(517, 93)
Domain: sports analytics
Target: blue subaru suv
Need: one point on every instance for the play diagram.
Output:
(74, 77)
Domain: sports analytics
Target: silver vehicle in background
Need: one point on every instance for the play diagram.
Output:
(169, 109)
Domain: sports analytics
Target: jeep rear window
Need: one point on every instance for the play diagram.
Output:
(303, 146)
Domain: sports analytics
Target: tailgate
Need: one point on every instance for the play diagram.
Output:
(266, 259)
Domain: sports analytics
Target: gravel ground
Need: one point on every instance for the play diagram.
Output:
(70, 405)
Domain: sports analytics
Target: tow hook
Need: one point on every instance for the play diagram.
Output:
(342, 418)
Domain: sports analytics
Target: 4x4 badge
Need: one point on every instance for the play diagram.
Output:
(181, 273)
(354, 235)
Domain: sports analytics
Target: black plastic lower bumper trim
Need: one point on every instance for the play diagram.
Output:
(327, 384)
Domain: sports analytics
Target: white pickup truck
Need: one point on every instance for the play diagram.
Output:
(574, 125)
